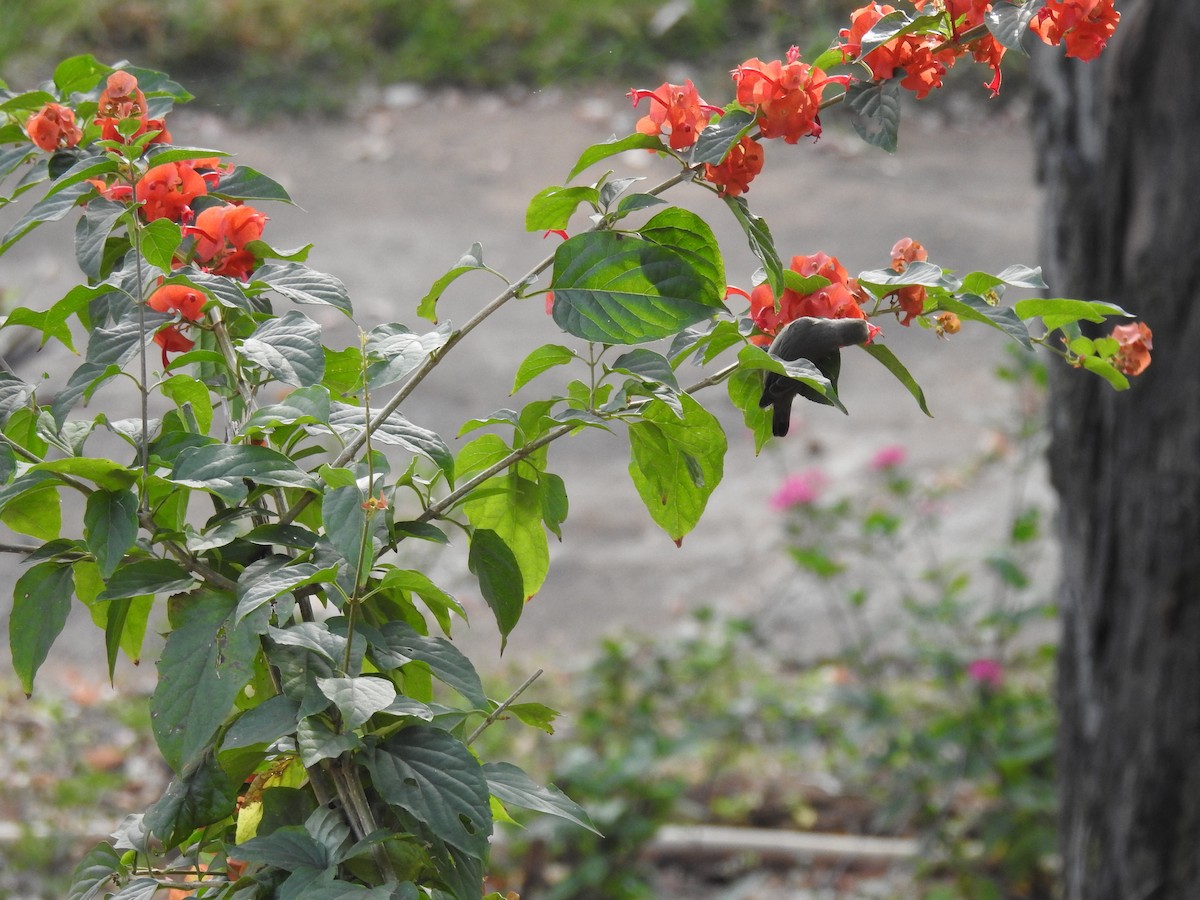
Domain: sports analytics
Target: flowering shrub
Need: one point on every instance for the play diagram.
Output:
(318, 731)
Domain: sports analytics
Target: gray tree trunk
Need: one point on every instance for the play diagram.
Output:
(1119, 157)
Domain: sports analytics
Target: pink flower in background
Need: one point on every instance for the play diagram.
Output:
(988, 672)
(888, 458)
(800, 489)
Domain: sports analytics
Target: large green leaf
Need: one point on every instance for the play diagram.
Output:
(597, 152)
(258, 587)
(616, 289)
(94, 874)
(395, 351)
(396, 430)
(289, 848)
(147, 576)
(202, 794)
(684, 231)
(92, 231)
(1009, 22)
(402, 644)
(676, 463)
(431, 775)
(245, 183)
(875, 108)
(289, 348)
(110, 526)
(495, 565)
(893, 365)
(551, 208)
(511, 506)
(762, 245)
(300, 284)
(52, 322)
(976, 308)
(541, 360)
(224, 470)
(41, 602)
(357, 699)
(206, 662)
(1056, 312)
(513, 787)
(439, 602)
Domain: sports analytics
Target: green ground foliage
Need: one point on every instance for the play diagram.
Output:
(253, 48)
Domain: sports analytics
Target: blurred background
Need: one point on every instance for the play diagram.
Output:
(858, 637)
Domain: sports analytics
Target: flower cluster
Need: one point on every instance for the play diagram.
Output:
(840, 297)
(177, 191)
(734, 174)
(676, 111)
(1084, 25)
(53, 128)
(911, 299)
(1134, 343)
(785, 95)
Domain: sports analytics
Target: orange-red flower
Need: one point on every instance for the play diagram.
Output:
(167, 191)
(840, 299)
(733, 176)
(787, 95)
(222, 233)
(53, 128)
(676, 110)
(188, 303)
(916, 54)
(911, 299)
(1135, 345)
(1085, 25)
(123, 99)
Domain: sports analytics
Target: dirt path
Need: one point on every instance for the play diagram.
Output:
(392, 199)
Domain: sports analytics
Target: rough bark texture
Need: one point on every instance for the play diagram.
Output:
(1119, 154)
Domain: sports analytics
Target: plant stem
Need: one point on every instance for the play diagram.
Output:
(499, 710)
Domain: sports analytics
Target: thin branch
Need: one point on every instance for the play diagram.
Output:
(499, 710)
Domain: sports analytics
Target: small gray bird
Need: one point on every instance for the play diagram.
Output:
(820, 341)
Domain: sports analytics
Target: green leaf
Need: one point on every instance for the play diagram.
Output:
(148, 576)
(715, 140)
(919, 272)
(676, 463)
(160, 239)
(395, 351)
(471, 261)
(245, 183)
(510, 505)
(762, 245)
(258, 587)
(646, 365)
(1009, 23)
(95, 873)
(36, 512)
(110, 527)
(535, 715)
(551, 208)
(402, 644)
(1003, 318)
(888, 27)
(50, 208)
(1107, 371)
(682, 230)
(513, 787)
(495, 565)
(107, 474)
(53, 322)
(540, 360)
(201, 795)
(357, 699)
(411, 581)
(79, 74)
(1057, 312)
(619, 290)
(305, 406)
(397, 431)
(745, 389)
(289, 848)
(191, 393)
(205, 664)
(300, 284)
(41, 602)
(263, 724)
(875, 111)
(597, 152)
(433, 776)
(345, 524)
(289, 348)
(1015, 276)
(92, 232)
(223, 469)
(893, 365)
